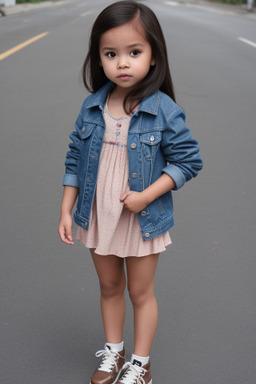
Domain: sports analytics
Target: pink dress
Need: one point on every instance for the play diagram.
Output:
(113, 229)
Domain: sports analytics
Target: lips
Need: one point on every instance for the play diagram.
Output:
(124, 76)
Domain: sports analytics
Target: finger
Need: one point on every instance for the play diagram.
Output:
(69, 236)
(67, 239)
(123, 197)
(63, 236)
(126, 194)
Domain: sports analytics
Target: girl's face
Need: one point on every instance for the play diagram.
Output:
(125, 55)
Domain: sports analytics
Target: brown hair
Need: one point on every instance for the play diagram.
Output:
(158, 77)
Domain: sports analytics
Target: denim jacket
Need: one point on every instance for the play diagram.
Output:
(158, 141)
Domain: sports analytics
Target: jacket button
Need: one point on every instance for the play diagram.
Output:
(152, 138)
(143, 213)
(83, 129)
(147, 234)
(134, 175)
(133, 145)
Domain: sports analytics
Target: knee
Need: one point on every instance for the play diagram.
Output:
(112, 288)
(140, 296)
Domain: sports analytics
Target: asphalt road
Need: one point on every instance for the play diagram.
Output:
(50, 317)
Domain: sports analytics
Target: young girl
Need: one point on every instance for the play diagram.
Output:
(130, 148)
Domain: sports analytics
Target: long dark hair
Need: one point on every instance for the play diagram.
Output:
(158, 77)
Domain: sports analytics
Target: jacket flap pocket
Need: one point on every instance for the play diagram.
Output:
(87, 130)
(150, 138)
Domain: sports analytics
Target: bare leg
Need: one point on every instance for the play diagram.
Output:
(140, 274)
(110, 270)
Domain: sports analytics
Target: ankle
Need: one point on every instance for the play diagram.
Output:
(115, 347)
(139, 360)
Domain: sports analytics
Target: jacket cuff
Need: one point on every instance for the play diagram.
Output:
(71, 180)
(175, 174)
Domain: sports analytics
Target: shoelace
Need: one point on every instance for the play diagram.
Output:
(133, 375)
(108, 360)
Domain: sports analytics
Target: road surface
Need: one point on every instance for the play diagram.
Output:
(206, 287)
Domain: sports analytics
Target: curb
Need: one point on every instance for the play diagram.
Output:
(229, 8)
(29, 7)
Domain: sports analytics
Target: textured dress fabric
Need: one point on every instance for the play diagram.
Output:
(113, 229)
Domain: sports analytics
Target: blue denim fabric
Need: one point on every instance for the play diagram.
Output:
(158, 141)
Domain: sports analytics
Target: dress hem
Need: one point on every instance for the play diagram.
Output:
(87, 245)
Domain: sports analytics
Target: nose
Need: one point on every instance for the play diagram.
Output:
(123, 63)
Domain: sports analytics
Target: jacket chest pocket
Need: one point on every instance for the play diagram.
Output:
(150, 143)
(87, 146)
(87, 130)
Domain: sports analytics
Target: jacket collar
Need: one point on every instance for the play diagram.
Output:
(149, 104)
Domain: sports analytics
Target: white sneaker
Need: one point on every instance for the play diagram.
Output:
(109, 369)
(132, 374)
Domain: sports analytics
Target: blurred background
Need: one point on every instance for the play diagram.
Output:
(50, 324)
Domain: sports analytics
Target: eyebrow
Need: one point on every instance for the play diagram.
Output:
(128, 46)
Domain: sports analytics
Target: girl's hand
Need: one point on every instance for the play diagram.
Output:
(65, 228)
(134, 201)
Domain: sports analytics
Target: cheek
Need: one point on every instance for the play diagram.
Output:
(104, 65)
(102, 60)
(107, 69)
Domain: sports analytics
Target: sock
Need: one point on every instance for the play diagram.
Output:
(139, 360)
(115, 347)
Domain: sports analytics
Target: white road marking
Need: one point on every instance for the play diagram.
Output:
(87, 13)
(205, 8)
(249, 42)
(172, 3)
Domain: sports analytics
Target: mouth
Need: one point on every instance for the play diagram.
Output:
(124, 76)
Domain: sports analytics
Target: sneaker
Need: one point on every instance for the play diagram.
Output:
(133, 374)
(110, 368)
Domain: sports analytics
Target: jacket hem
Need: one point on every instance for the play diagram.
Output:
(82, 222)
(155, 231)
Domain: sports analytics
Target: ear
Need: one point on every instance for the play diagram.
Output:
(100, 64)
(153, 62)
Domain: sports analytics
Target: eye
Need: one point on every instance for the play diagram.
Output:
(110, 54)
(135, 52)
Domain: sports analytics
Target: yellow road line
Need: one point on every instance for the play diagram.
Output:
(22, 45)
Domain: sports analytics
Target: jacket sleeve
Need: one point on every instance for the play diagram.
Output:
(181, 151)
(73, 155)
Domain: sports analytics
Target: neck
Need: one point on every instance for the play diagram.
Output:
(116, 100)
(115, 105)
(119, 93)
